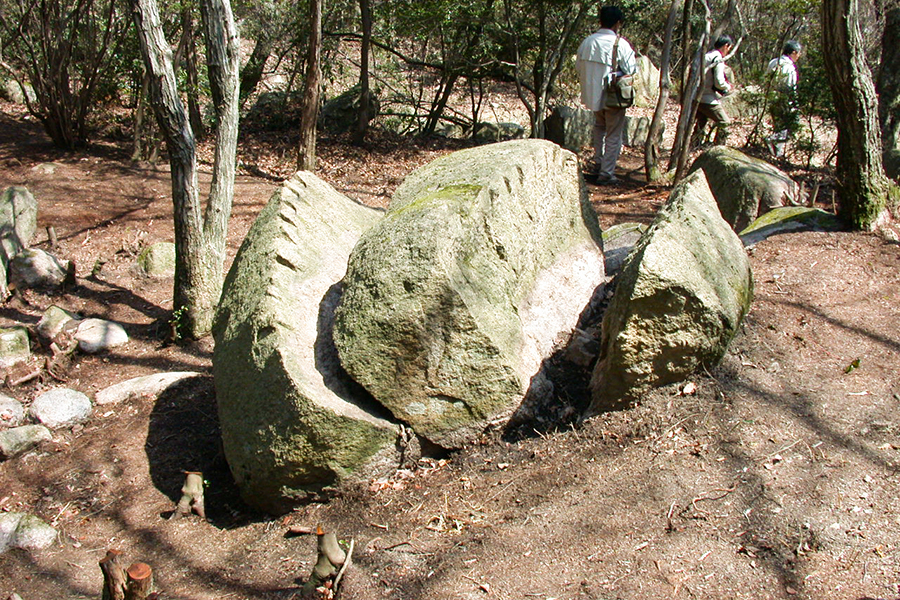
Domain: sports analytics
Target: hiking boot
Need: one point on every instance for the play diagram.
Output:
(606, 179)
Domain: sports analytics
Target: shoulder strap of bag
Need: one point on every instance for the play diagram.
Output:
(615, 54)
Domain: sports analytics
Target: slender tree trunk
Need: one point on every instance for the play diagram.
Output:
(651, 147)
(445, 88)
(190, 67)
(862, 184)
(199, 242)
(253, 71)
(889, 81)
(686, 46)
(223, 64)
(681, 145)
(138, 151)
(309, 113)
(362, 123)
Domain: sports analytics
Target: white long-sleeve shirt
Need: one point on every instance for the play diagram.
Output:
(785, 72)
(594, 65)
(715, 85)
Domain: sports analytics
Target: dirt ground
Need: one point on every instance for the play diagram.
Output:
(776, 476)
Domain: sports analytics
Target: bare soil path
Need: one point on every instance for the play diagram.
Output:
(776, 478)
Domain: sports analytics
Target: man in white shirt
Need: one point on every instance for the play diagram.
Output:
(594, 64)
(715, 85)
(785, 76)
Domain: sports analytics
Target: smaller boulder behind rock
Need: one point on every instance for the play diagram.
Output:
(36, 269)
(745, 187)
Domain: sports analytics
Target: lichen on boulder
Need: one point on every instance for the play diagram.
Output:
(483, 262)
(293, 424)
(679, 300)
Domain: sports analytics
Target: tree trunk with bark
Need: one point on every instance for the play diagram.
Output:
(863, 187)
(309, 113)
(889, 80)
(362, 123)
(681, 145)
(199, 239)
(253, 71)
(651, 147)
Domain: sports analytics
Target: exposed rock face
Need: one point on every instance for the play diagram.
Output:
(618, 241)
(340, 114)
(99, 335)
(148, 385)
(11, 412)
(790, 218)
(18, 220)
(745, 187)
(158, 260)
(637, 129)
(485, 259)
(679, 300)
(646, 83)
(34, 268)
(570, 127)
(54, 321)
(14, 346)
(292, 423)
(573, 129)
(28, 532)
(487, 132)
(19, 440)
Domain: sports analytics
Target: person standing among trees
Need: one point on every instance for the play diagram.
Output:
(715, 85)
(785, 76)
(596, 70)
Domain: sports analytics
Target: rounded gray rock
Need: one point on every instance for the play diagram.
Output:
(12, 413)
(61, 407)
(33, 534)
(8, 524)
(19, 440)
(96, 335)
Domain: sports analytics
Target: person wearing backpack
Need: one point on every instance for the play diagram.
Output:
(783, 110)
(715, 85)
(602, 57)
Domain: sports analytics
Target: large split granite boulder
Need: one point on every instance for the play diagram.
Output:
(292, 423)
(679, 300)
(482, 264)
(745, 187)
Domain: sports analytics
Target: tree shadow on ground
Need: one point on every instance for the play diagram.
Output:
(184, 435)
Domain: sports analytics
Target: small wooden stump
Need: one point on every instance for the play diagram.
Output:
(114, 581)
(140, 580)
(191, 496)
(330, 565)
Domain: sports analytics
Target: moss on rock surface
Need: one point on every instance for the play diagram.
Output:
(744, 187)
(680, 298)
(293, 425)
(437, 318)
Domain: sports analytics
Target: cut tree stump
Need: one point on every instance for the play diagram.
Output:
(114, 580)
(140, 580)
(331, 563)
(191, 496)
